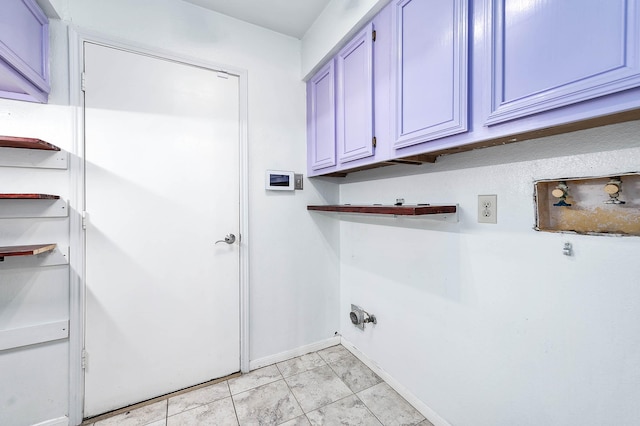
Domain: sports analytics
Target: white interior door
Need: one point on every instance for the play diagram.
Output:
(162, 185)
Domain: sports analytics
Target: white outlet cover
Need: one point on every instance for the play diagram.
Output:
(488, 208)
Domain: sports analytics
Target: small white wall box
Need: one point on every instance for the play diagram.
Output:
(278, 180)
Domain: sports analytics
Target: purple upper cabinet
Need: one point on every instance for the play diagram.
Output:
(321, 147)
(430, 69)
(24, 51)
(547, 54)
(354, 104)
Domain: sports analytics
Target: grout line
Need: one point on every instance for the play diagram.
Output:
(296, 399)
(226, 379)
(256, 387)
(206, 404)
(233, 402)
(306, 371)
(132, 407)
(369, 410)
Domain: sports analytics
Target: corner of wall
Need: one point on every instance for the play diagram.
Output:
(336, 23)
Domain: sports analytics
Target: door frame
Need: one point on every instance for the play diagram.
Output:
(77, 38)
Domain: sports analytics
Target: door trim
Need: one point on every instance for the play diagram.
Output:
(77, 38)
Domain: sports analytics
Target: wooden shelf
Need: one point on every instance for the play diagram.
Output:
(26, 143)
(406, 210)
(29, 197)
(31, 250)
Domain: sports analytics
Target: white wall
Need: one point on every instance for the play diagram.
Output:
(294, 287)
(491, 324)
(336, 24)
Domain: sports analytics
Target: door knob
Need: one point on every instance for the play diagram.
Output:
(229, 239)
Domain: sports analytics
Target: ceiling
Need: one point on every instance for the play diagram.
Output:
(290, 17)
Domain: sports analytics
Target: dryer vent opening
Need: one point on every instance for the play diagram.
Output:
(359, 317)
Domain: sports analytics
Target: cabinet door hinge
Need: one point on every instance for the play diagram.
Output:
(84, 359)
(374, 142)
(373, 35)
(84, 220)
(83, 82)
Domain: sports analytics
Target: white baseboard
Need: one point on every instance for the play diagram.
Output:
(60, 421)
(283, 356)
(425, 410)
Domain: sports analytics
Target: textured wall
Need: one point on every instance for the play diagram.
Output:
(492, 324)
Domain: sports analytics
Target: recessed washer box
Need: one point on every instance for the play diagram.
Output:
(599, 205)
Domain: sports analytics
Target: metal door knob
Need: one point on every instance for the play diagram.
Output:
(229, 239)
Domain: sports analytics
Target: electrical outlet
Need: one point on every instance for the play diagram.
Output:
(487, 209)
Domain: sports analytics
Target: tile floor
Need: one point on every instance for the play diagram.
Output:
(328, 387)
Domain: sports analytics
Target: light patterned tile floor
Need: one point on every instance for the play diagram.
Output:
(328, 387)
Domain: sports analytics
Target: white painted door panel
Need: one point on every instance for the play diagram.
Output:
(162, 185)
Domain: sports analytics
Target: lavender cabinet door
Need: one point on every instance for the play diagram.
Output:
(355, 98)
(24, 51)
(322, 115)
(430, 69)
(547, 54)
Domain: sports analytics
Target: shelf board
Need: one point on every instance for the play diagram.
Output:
(406, 210)
(29, 197)
(26, 143)
(31, 250)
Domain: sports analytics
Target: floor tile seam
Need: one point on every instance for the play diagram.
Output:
(166, 413)
(370, 410)
(324, 363)
(199, 405)
(379, 419)
(296, 399)
(329, 403)
(338, 375)
(327, 361)
(233, 403)
(278, 367)
(345, 383)
(291, 359)
(206, 404)
(306, 371)
(317, 408)
(165, 417)
(256, 387)
(369, 387)
(157, 399)
(345, 397)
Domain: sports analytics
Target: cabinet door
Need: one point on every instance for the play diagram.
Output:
(24, 51)
(430, 70)
(355, 98)
(322, 131)
(551, 53)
